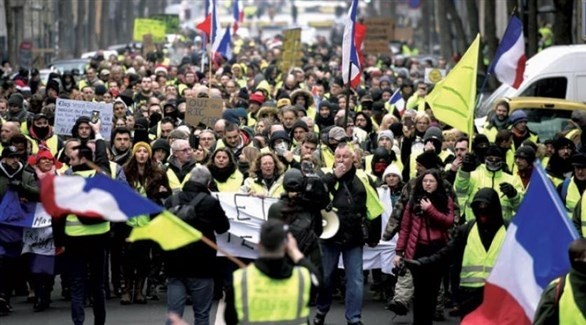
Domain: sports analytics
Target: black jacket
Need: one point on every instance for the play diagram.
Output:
(197, 260)
(349, 198)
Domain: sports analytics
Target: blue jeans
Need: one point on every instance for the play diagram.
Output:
(201, 291)
(352, 258)
(93, 260)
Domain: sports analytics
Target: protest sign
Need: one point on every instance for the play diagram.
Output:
(143, 26)
(434, 75)
(292, 50)
(203, 110)
(379, 34)
(68, 111)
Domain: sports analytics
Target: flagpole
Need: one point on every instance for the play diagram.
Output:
(213, 245)
(348, 86)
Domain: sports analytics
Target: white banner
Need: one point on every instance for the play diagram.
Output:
(247, 213)
(68, 111)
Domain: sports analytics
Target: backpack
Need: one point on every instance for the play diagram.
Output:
(185, 212)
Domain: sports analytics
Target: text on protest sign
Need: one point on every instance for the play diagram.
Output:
(379, 32)
(203, 110)
(292, 51)
(68, 111)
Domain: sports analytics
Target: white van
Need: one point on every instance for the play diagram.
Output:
(556, 72)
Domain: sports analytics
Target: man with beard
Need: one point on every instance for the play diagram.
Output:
(41, 134)
(145, 91)
(121, 152)
(235, 139)
(14, 177)
(559, 166)
(498, 121)
(520, 130)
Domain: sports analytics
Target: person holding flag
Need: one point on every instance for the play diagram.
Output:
(85, 238)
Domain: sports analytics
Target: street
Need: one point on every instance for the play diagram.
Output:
(154, 313)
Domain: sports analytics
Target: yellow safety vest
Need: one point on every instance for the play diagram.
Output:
(260, 188)
(232, 184)
(326, 156)
(52, 144)
(569, 313)
(477, 262)
(583, 217)
(143, 219)
(174, 182)
(74, 227)
(572, 197)
(260, 299)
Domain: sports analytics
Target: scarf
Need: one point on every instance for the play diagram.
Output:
(222, 174)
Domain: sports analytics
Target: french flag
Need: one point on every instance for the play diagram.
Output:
(509, 62)
(15, 213)
(534, 252)
(219, 38)
(350, 57)
(237, 14)
(98, 196)
(397, 100)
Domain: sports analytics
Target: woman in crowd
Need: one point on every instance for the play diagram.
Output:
(146, 177)
(246, 158)
(424, 230)
(39, 246)
(266, 177)
(226, 176)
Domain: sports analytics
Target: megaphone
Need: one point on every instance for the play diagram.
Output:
(331, 224)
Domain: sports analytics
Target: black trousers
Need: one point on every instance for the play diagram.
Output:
(426, 284)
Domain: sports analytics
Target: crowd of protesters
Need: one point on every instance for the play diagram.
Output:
(452, 194)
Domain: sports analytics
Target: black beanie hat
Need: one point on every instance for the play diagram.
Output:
(429, 160)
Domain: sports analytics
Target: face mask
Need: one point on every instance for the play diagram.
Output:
(41, 132)
(379, 168)
(155, 118)
(493, 166)
(281, 147)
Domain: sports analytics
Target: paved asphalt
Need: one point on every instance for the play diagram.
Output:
(154, 313)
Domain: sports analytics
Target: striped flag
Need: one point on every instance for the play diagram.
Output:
(509, 61)
(350, 57)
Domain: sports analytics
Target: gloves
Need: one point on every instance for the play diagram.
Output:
(508, 190)
(468, 163)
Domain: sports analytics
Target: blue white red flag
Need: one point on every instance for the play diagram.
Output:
(237, 14)
(25, 215)
(534, 252)
(397, 100)
(509, 60)
(350, 57)
(98, 196)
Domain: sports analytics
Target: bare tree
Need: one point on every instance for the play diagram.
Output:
(472, 10)
(531, 27)
(427, 27)
(461, 39)
(512, 6)
(490, 29)
(562, 28)
(445, 34)
(79, 30)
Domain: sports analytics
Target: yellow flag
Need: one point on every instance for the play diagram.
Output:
(168, 231)
(452, 99)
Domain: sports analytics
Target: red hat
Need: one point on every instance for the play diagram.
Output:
(257, 98)
(44, 154)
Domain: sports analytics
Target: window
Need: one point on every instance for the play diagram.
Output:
(547, 122)
(549, 87)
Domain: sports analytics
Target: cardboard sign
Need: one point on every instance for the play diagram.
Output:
(379, 33)
(148, 45)
(68, 111)
(171, 22)
(434, 75)
(203, 110)
(292, 49)
(144, 26)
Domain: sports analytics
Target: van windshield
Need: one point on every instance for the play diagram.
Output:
(555, 87)
(547, 122)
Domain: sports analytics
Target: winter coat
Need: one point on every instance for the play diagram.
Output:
(430, 227)
(197, 260)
